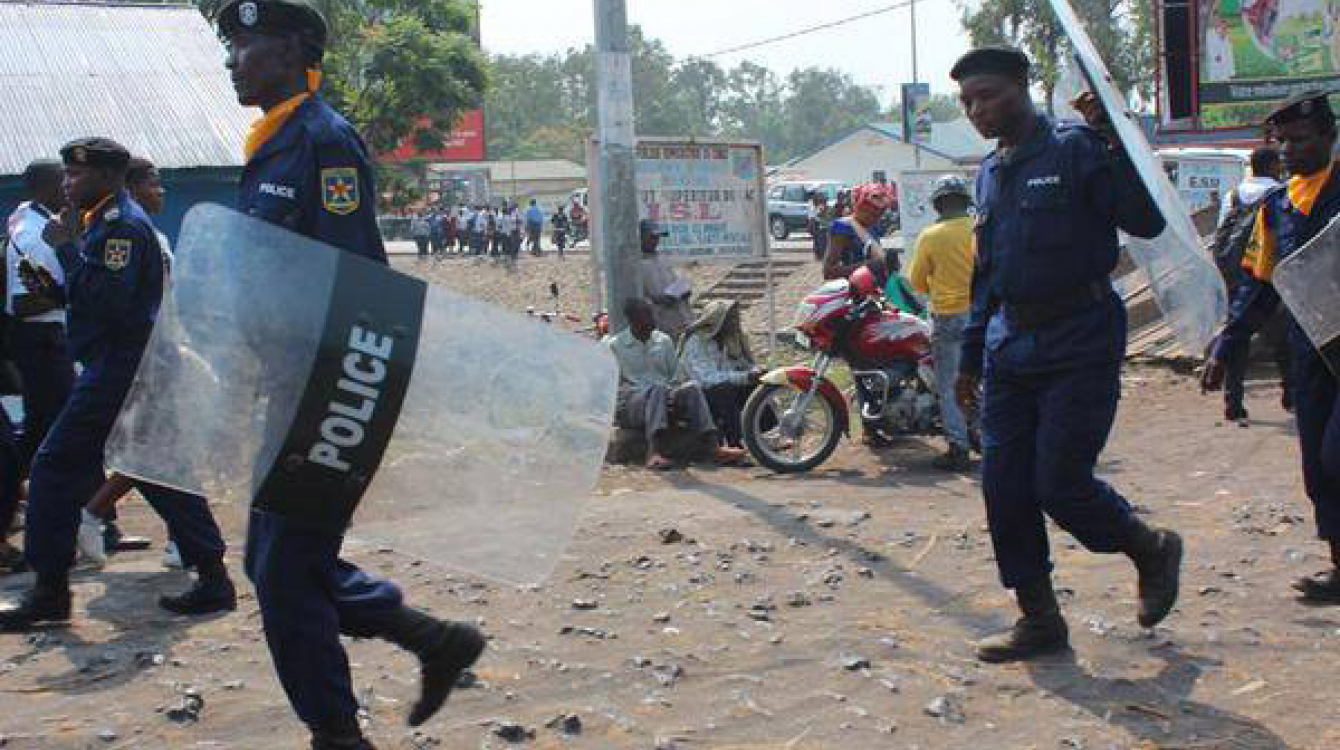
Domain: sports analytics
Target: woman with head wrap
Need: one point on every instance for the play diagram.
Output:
(853, 240)
(715, 354)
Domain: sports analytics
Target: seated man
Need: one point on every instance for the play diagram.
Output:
(650, 398)
(715, 355)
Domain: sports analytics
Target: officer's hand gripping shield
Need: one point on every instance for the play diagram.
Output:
(314, 384)
(1186, 285)
(1309, 283)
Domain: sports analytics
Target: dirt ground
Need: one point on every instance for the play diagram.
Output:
(833, 610)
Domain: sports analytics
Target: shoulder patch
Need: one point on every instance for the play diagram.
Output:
(339, 190)
(116, 254)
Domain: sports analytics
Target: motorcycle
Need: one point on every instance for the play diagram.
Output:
(796, 417)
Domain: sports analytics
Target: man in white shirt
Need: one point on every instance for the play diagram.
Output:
(649, 396)
(36, 337)
(666, 290)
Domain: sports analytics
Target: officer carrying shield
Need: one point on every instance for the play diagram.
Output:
(112, 291)
(1047, 334)
(308, 170)
(1290, 216)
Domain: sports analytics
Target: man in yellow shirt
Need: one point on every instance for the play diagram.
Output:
(942, 267)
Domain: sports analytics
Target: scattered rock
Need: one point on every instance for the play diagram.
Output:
(670, 536)
(586, 604)
(667, 674)
(108, 735)
(187, 710)
(853, 663)
(511, 731)
(566, 723)
(946, 709)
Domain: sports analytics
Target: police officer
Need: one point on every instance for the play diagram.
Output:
(1047, 334)
(112, 291)
(36, 336)
(1290, 216)
(308, 170)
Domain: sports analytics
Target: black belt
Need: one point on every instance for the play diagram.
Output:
(1037, 314)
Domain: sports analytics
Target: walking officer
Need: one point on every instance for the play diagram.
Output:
(1047, 335)
(112, 291)
(1290, 216)
(308, 170)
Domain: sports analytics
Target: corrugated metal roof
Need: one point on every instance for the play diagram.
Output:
(148, 76)
(957, 140)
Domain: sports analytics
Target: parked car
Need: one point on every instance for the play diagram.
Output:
(789, 204)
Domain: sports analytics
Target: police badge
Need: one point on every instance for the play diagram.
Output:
(116, 254)
(248, 13)
(339, 190)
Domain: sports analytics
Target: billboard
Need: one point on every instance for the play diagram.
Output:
(465, 142)
(917, 122)
(1253, 53)
(709, 196)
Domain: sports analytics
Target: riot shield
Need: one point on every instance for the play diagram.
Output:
(1309, 283)
(290, 376)
(1185, 283)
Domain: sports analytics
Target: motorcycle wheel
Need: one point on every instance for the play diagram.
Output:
(814, 442)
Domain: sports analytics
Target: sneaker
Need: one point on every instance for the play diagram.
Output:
(37, 609)
(1235, 413)
(90, 541)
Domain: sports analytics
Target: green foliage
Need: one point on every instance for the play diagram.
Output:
(1123, 31)
(543, 105)
(395, 66)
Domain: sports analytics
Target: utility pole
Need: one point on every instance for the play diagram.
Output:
(617, 212)
(916, 146)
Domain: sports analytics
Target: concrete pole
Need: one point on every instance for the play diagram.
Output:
(916, 147)
(617, 212)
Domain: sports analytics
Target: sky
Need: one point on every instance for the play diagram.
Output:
(875, 51)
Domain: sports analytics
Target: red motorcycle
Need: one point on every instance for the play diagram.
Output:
(794, 420)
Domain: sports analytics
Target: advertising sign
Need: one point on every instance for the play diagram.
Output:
(1254, 53)
(708, 195)
(917, 121)
(465, 142)
(914, 201)
(1202, 181)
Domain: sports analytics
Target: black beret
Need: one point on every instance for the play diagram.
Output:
(95, 152)
(274, 17)
(1305, 106)
(998, 60)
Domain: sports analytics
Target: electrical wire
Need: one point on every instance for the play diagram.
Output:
(812, 29)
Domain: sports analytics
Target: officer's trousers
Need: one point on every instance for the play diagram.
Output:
(1317, 406)
(68, 469)
(308, 597)
(39, 352)
(1042, 435)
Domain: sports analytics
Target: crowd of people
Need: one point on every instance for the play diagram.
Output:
(500, 232)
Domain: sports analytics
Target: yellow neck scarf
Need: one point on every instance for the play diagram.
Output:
(92, 213)
(1304, 189)
(263, 129)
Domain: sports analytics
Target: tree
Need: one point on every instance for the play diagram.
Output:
(1121, 29)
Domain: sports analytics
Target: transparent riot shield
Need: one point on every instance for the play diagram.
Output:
(1309, 283)
(317, 385)
(1185, 282)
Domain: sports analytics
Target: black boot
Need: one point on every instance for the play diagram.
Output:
(1157, 554)
(212, 592)
(1041, 631)
(445, 649)
(346, 736)
(956, 459)
(1323, 588)
(46, 603)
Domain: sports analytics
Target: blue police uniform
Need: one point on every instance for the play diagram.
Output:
(1315, 391)
(1048, 334)
(114, 285)
(314, 177)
